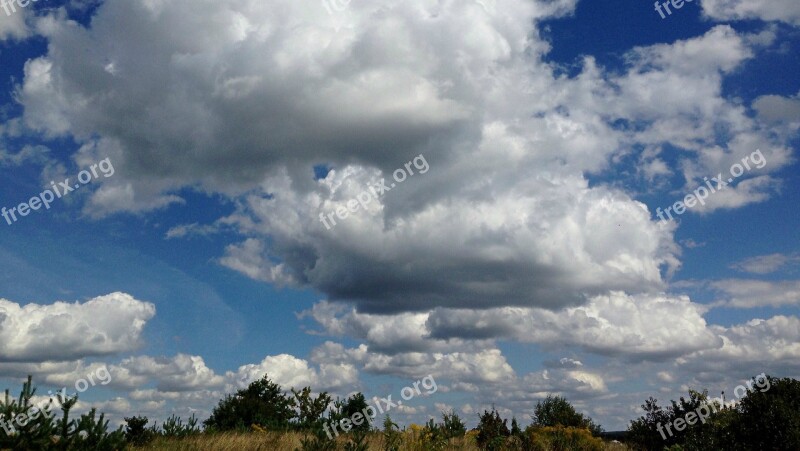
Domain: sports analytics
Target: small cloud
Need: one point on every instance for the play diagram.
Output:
(765, 264)
(691, 244)
(778, 109)
(194, 229)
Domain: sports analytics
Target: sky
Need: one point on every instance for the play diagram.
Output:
(515, 198)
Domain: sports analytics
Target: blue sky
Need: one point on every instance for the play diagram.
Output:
(527, 259)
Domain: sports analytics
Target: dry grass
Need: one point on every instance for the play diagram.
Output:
(230, 441)
(291, 442)
(278, 442)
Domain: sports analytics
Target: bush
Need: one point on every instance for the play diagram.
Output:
(319, 441)
(452, 425)
(392, 438)
(174, 427)
(136, 431)
(557, 411)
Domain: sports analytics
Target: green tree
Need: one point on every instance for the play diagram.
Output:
(643, 432)
(515, 430)
(263, 402)
(452, 424)
(492, 431)
(38, 428)
(136, 431)
(556, 410)
(310, 408)
(356, 404)
(768, 419)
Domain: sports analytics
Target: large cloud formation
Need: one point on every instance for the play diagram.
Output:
(61, 331)
(245, 98)
(509, 236)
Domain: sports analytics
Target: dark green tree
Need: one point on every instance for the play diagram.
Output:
(492, 431)
(32, 427)
(556, 410)
(515, 430)
(263, 402)
(452, 424)
(768, 419)
(356, 403)
(136, 431)
(643, 431)
(310, 408)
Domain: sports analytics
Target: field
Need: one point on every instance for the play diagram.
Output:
(291, 441)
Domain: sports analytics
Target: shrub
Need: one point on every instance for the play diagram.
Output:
(557, 411)
(173, 427)
(136, 431)
(318, 441)
(452, 425)
(392, 438)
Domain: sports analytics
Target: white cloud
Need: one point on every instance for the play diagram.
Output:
(740, 293)
(292, 372)
(643, 326)
(61, 331)
(179, 373)
(770, 10)
(13, 26)
(771, 345)
(766, 264)
(778, 109)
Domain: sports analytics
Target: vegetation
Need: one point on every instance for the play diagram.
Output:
(557, 411)
(263, 402)
(762, 419)
(263, 416)
(28, 426)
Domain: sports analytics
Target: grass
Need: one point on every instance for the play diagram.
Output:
(290, 441)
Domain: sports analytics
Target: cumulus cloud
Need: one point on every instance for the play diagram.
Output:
(62, 331)
(770, 10)
(765, 264)
(740, 293)
(13, 26)
(247, 98)
(504, 238)
(778, 109)
(641, 326)
(771, 345)
(179, 373)
(289, 371)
